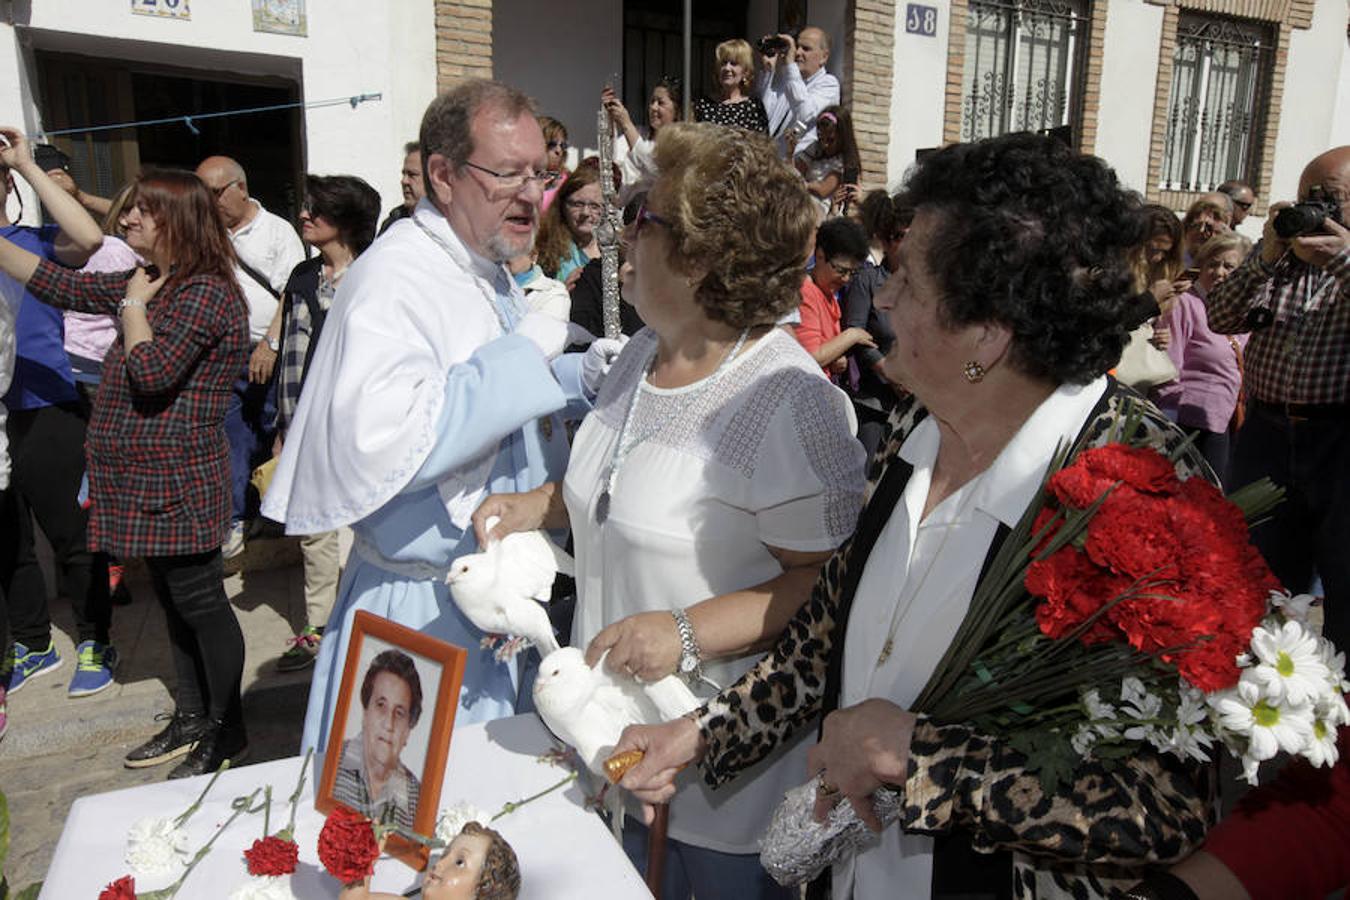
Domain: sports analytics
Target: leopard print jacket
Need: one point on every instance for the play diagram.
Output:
(1153, 808)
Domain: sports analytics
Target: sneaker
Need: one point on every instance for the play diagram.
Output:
(93, 669)
(30, 664)
(4, 714)
(218, 743)
(177, 739)
(304, 648)
(234, 541)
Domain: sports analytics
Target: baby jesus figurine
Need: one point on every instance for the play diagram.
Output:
(478, 865)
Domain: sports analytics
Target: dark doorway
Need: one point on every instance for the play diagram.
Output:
(261, 142)
(80, 91)
(653, 45)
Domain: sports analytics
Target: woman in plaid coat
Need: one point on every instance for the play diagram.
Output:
(158, 459)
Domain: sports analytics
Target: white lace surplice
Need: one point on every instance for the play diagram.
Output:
(762, 455)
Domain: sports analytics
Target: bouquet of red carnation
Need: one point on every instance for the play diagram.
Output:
(347, 845)
(1129, 606)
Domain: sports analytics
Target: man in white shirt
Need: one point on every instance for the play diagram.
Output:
(432, 387)
(268, 249)
(794, 86)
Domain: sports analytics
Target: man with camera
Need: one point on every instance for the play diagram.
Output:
(1293, 295)
(793, 84)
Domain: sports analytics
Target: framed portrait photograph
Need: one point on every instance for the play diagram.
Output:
(390, 734)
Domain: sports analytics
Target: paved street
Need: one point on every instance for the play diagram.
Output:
(59, 749)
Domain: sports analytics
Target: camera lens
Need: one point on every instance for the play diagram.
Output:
(1300, 218)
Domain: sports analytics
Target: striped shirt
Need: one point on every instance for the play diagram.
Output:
(1303, 356)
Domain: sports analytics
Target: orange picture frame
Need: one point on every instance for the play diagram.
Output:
(433, 662)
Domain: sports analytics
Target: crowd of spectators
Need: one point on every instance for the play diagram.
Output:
(156, 367)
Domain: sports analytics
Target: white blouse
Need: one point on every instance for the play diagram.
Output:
(759, 455)
(915, 589)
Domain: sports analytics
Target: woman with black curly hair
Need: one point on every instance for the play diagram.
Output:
(1007, 303)
(715, 474)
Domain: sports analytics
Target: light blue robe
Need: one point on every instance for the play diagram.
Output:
(504, 383)
(415, 379)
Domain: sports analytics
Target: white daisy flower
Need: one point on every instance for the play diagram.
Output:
(1190, 738)
(453, 820)
(268, 887)
(1334, 660)
(1321, 750)
(1144, 708)
(1269, 727)
(155, 846)
(1289, 666)
(1331, 708)
(1292, 606)
(1083, 740)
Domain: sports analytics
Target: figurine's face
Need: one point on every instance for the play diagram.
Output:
(455, 875)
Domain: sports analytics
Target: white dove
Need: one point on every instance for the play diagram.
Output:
(497, 589)
(589, 708)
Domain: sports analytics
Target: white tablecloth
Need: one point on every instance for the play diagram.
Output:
(564, 850)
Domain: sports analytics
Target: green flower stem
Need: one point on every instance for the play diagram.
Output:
(267, 811)
(511, 807)
(241, 805)
(197, 804)
(295, 797)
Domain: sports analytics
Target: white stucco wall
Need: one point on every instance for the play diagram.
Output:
(1129, 80)
(561, 56)
(1314, 102)
(352, 47)
(918, 92)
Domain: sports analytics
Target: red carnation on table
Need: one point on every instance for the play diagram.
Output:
(123, 888)
(272, 855)
(347, 846)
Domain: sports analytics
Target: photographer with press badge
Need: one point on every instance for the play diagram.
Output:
(1293, 295)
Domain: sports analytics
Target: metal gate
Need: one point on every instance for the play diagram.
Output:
(1023, 66)
(1216, 107)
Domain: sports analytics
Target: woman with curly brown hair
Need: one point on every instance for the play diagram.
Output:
(567, 234)
(716, 472)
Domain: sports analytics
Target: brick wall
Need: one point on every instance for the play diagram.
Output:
(463, 41)
(867, 86)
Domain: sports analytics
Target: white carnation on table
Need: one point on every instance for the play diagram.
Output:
(453, 820)
(268, 887)
(156, 846)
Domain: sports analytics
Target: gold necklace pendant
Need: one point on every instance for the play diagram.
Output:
(886, 649)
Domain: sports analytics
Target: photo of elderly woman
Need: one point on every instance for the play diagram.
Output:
(374, 776)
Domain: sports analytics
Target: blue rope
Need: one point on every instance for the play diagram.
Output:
(190, 121)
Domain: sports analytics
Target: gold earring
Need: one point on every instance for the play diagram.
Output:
(974, 372)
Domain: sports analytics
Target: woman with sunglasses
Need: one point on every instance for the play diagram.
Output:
(338, 219)
(715, 473)
(555, 140)
(158, 459)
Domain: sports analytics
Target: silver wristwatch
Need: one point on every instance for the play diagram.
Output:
(129, 301)
(273, 344)
(690, 666)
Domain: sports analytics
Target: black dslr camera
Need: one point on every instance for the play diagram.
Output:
(1307, 216)
(771, 45)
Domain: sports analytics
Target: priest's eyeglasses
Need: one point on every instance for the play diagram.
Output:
(515, 181)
